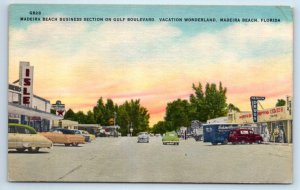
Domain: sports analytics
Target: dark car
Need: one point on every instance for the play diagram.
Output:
(244, 136)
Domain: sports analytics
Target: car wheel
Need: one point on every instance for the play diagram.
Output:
(67, 144)
(33, 150)
(225, 142)
(21, 149)
(243, 142)
(214, 143)
(74, 144)
(258, 141)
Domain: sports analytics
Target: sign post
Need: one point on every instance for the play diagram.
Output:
(254, 100)
(59, 108)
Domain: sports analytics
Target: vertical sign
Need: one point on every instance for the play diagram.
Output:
(26, 83)
(254, 100)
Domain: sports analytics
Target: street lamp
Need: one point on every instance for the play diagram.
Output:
(128, 134)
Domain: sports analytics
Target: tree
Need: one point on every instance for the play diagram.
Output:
(98, 111)
(215, 100)
(208, 104)
(90, 118)
(161, 127)
(133, 113)
(123, 119)
(110, 110)
(177, 114)
(280, 102)
(70, 115)
(197, 101)
(80, 117)
(104, 112)
(232, 107)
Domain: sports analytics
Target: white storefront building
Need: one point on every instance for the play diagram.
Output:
(274, 124)
(26, 108)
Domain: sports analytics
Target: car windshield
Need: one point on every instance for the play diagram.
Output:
(142, 133)
(171, 134)
(244, 132)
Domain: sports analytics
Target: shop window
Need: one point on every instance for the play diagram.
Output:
(244, 132)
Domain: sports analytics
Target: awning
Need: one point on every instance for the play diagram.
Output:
(22, 110)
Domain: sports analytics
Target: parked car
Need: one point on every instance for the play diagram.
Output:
(22, 137)
(244, 136)
(64, 136)
(170, 138)
(92, 137)
(86, 136)
(143, 137)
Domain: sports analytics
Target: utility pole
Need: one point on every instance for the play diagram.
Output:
(131, 129)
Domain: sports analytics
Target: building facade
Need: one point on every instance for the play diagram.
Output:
(26, 108)
(273, 124)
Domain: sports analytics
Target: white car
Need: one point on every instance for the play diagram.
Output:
(143, 137)
(22, 137)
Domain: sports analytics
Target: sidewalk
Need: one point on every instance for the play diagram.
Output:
(275, 143)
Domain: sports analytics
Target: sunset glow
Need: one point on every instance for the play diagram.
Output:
(156, 63)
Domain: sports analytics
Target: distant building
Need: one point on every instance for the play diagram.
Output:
(66, 124)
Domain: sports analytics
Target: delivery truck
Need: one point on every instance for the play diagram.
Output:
(217, 132)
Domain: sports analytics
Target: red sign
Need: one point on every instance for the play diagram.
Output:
(60, 112)
(263, 112)
(26, 82)
(27, 87)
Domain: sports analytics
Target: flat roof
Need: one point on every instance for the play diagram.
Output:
(23, 110)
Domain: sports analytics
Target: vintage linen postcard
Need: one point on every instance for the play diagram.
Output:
(150, 93)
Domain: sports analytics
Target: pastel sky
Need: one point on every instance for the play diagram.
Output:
(157, 62)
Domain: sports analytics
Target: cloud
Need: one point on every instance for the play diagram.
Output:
(78, 62)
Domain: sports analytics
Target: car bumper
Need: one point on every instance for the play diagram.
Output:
(143, 140)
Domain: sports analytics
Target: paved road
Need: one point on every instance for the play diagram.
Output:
(124, 160)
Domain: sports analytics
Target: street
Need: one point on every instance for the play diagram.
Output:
(124, 160)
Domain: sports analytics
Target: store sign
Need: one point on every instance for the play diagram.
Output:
(269, 112)
(254, 100)
(26, 82)
(59, 108)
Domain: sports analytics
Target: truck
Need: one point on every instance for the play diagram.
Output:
(217, 132)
